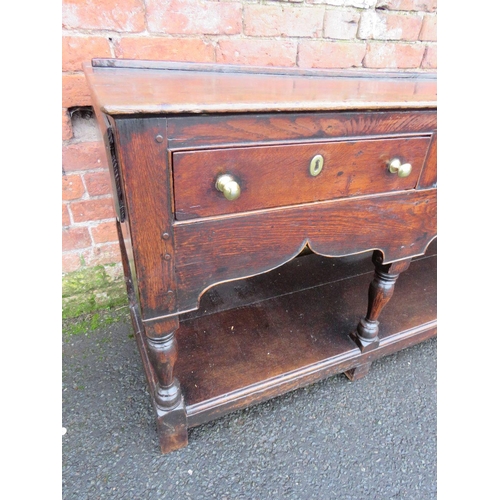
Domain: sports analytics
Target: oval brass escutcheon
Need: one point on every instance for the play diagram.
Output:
(316, 165)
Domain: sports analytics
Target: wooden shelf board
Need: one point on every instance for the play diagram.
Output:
(257, 338)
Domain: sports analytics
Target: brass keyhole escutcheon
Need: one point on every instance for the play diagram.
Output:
(316, 165)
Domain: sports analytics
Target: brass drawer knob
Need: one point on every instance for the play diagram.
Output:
(403, 170)
(227, 184)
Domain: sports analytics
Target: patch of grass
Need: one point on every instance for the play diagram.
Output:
(90, 290)
(91, 322)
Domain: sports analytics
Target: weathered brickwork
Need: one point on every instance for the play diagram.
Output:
(371, 34)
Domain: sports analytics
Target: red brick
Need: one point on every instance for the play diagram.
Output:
(70, 262)
(341, 24)
(75, 237)
(88, 210)
(72, 187)
(104, 233)
(360, 4)
(125, 15)
(257, 52)
(103, 254)
(75, 91)
(67, 130)
(393, 55)
(171, 49)
(429, 29)
(83, 156)
(66, 221)
(337, 3)
(98, 183)
(319, 54)
(416, 5)
(430, 57)
(282, 20)
(378, 25)
(193, 17)
(79, 49)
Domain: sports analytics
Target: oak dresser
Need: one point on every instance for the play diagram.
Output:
(247, 201)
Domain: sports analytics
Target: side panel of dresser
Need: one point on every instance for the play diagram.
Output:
(428, 177)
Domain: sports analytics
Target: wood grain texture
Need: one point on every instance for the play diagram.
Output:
(188, 132)
(135, 91)
(147, 191)
(168, 402)
(305, 271)
(401, 225)
(346, 283)
(161, 348)
(228, 361)
(428, 177)
(277, 176)
(379, 294)
(162, 351)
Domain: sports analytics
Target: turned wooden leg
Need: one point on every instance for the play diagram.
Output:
(379, 294)
(168, 400)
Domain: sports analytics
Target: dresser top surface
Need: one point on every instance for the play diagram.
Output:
(123, 87)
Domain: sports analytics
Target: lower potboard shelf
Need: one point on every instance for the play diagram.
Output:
(254, 339)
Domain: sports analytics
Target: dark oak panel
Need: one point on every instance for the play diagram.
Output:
(276, 176)
(304, 272)
(428, 179)
(147, 191)
(188, 132)
(244, 245)
(303, 334)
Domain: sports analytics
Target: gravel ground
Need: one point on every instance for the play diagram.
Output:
(336, 439)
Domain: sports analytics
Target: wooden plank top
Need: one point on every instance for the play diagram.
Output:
(124, 87)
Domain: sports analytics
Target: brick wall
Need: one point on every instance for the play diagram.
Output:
(375, 34)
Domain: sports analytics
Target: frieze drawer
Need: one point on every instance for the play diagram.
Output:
(283, 175)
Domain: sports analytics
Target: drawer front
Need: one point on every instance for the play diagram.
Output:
(285, 175)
